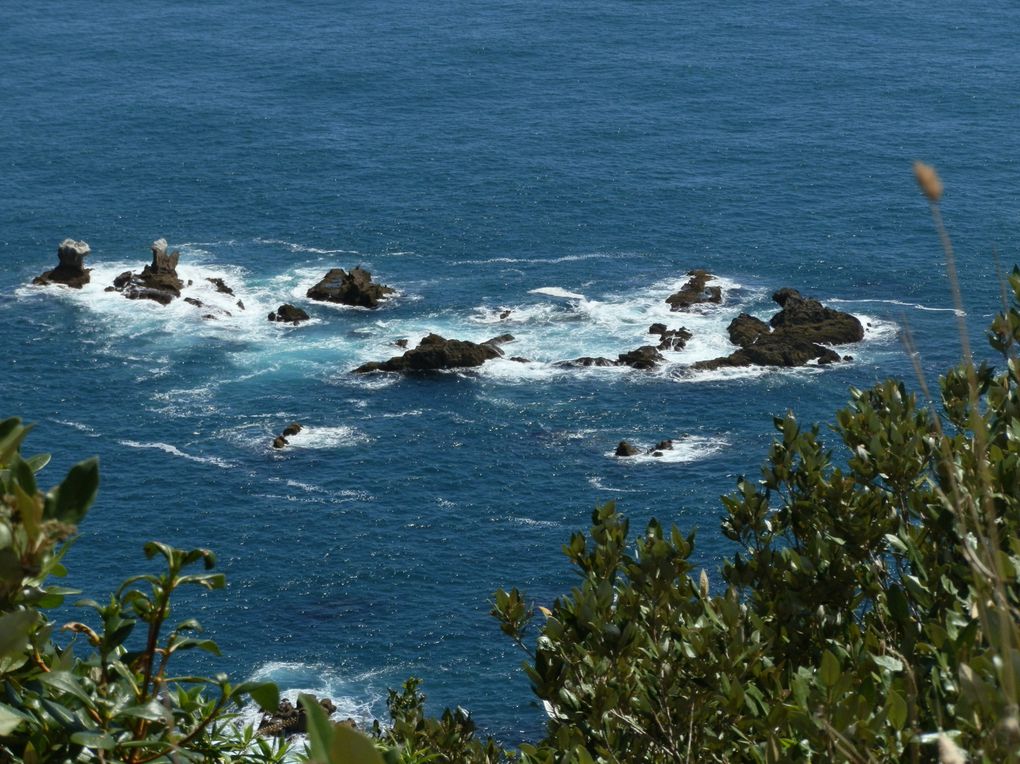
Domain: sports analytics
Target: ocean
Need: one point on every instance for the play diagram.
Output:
(478, 158)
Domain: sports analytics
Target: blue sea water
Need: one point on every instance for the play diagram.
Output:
(468, 155)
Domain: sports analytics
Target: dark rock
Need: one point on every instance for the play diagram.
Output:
(279, 441)
(626, 449)
(777, 349)
(289, 719)
(657, 329)
(519, 359)
(500, 340)
(434, 353)
(292, 429)
(745, 329)
(665, 445)
(645, 357)
(193, 301)
(220, 285)
(505, 315)
(695, 291)
(587, 361)
(289, 314)
(70, 270)
(240, 305)
(657, 453)
(210, 317)
(401, 343)
(813, 321)
(158, 281)
(675, 339)
(354, 288)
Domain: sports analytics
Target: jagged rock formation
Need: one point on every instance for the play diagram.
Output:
(289, 719)
(695, 291)
(644, 357)
(70, 270)
(671, 339)
(792, 336)
(354, 288)
(288, 313)
(221, 285)
(435, 352)
(158, 281)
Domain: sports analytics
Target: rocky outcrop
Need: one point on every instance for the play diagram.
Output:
(792, 337)
(434, 353)
(813, 321)
(158, 281)
(662, 445)
(280, 441)
(626, 449)
(355, 288)
(586, 361)
(289, 719)
(70, 270)
(670, 339)
(695, 291)
(221, 286)
(289, 314)
(645, 357)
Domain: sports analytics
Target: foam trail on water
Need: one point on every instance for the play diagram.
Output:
(685, 450)
(173, 450)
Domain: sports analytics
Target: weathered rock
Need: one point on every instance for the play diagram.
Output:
(195, 302)
(644, 357)
(220, 285)
(626, 449)
(504, 315)
(158, 281)
(745, 329)
(434, 353)
(695, 291)
(813, 321)
(401, 343)
(240, 305)
(500, 340)
(292, 429)
(288, 313)
(585, 361)
(664, 445)
(671, 339)
(520, 359)
(354, 288)
(657, 329)
(70, 270)
(279, 441)
(776, 349)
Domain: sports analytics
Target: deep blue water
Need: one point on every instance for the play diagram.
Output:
(467, 154)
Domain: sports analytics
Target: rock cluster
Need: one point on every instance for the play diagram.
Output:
(290, 430)
(70, 270)
(158, 281)
(695, 291)
(434, 353)
(671, 339)
(792, 337)
(289, 719)
(626, 449)
(355, 288)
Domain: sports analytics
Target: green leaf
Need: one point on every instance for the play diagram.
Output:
(70, 500)
(14, 631)
(351, 747)
(896, 709)
(265, 694)
(888, 662)
(829, 671)
(65, 682)
(104, 742)
(320, 731)
(151, 711)
(38, 461)
(10, 718)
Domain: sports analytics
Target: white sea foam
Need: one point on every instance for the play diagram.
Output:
(529, 522)
(297, 247)
(596, 482)
(173, 450)
(557, 292)
(537, 260)
(686, 449)
(902, 304)
(90, 431)
(327, 437)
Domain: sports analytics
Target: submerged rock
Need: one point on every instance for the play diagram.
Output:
(695, 291)
(434, 353)
(289, 314)
(70, 270)
(585, 361)
(355, 288)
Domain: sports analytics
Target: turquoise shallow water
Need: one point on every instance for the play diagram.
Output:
(468, 156)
